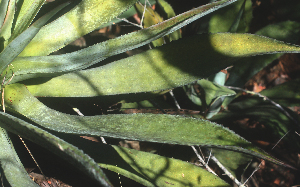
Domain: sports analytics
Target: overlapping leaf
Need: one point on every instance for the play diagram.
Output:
(13, 170)
(143, 127)
(87, 16)
(31, 67)
(19, 43)
(58, 146)
(162, 68)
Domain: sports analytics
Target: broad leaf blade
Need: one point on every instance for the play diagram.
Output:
(143, 127)
(162, 68)
(56, 145)
(13, 170)
(18, 44)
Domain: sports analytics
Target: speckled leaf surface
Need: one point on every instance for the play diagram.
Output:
(144, 127)
(162, 68)
(287, 31)
(41, 66)
(87, 16)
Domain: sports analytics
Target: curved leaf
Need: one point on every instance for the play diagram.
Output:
(143, 127)
(87, 16)
(223, 20)
(26, 13)
(287, 31)
(41, 66)
(13, 170)
(58, 146)
(6, 28)
(150, 17)
(14, 48)
(162, 171)
(166, 67)
(146, 168)
(3, 8)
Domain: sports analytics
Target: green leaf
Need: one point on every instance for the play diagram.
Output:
(162, 66)
(236, 23)
(241, 72)
(18, 44)
(170, 13)
(146, 168)
(3, 9)
(41, 66)
(27, 10)
(142, 127)
(222, 20)
(87, 16)
(151, 17)
(209, 91)
(233, 161)
(5, 31)
(13, 170)
(56, 145)
(128, 13)
(154, 170)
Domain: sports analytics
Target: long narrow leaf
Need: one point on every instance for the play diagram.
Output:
(14, 172)
(166, 67)
(58, 146)
(147, 168)
(3, 9)
(19, 43)
(6, 28)
(143, 127)
(41, 66)
(26, 14)
(87, 16)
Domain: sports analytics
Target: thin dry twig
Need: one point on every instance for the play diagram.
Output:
(226, 171)
(202, 161)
